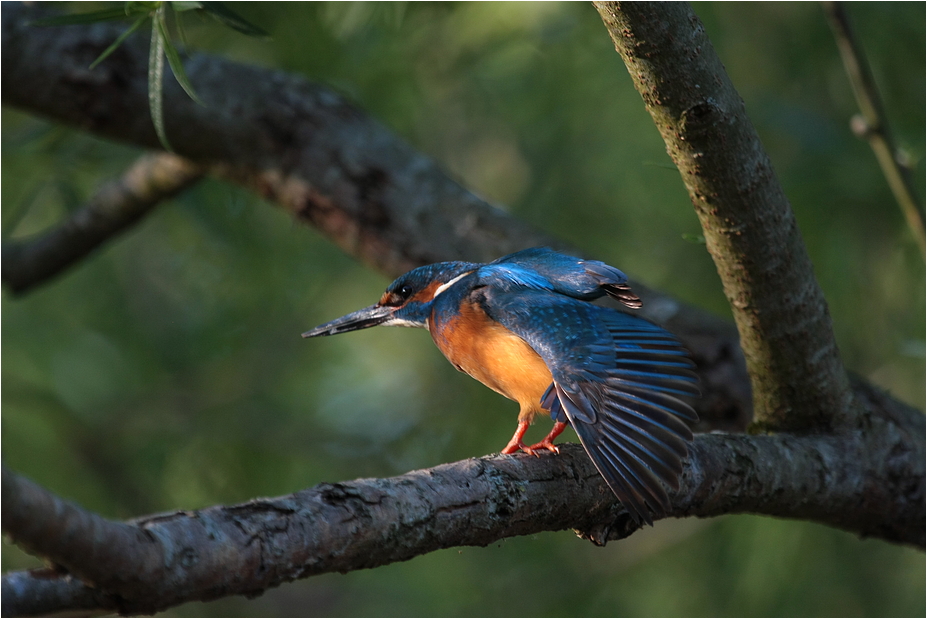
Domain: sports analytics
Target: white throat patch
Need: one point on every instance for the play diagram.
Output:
(401, 322)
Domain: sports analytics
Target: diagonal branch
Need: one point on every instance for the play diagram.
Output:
(114, 208)
(873, 122)
(750, 231)
(160, 561)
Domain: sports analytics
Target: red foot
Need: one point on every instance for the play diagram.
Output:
(547, 444)
(515, 444)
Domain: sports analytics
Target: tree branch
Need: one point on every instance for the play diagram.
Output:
(156, 562)
(873, 123)
(750, 231)
(116, 206)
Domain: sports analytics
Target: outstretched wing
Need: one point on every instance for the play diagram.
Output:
(618, 380)
(580, 279)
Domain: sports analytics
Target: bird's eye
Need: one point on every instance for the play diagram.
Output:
(397, 296)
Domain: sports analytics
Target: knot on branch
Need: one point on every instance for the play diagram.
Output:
(863, 128)
(698, 118)
(602, 533)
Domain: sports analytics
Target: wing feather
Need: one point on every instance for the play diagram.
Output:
(618, 380)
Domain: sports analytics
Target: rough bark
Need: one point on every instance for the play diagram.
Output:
(160, 561)
(750, 231)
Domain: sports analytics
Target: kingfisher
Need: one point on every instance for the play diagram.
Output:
(524, 326)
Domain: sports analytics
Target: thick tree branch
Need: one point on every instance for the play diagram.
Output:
(116, 206)
(873, 122)
(750, 230)
(156, 562)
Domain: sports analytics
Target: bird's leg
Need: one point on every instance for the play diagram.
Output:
(516, 443)
(548, 442)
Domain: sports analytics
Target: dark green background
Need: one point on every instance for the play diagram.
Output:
(166, 372)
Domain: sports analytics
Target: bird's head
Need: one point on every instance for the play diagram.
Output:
(406, 302)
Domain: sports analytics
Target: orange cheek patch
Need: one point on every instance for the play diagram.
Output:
(426, 294)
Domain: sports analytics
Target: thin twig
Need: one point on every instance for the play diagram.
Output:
(872, 123)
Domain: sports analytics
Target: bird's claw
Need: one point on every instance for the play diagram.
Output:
(543, 445)
(533, 450)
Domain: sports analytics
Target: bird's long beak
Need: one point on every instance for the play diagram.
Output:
(361, 319)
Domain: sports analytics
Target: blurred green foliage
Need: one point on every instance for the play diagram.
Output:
(166, 371)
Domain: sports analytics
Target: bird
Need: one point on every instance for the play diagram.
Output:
(524, 326)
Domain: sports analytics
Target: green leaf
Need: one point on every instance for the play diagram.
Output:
(173, 58)
(155, 77)
(122, 37)
(224, 15)
(82, 18)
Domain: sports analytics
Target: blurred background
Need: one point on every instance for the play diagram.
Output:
(166, 371)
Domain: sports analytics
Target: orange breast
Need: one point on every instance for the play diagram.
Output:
(494, 356)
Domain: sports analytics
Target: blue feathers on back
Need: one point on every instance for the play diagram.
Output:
(580, 279)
